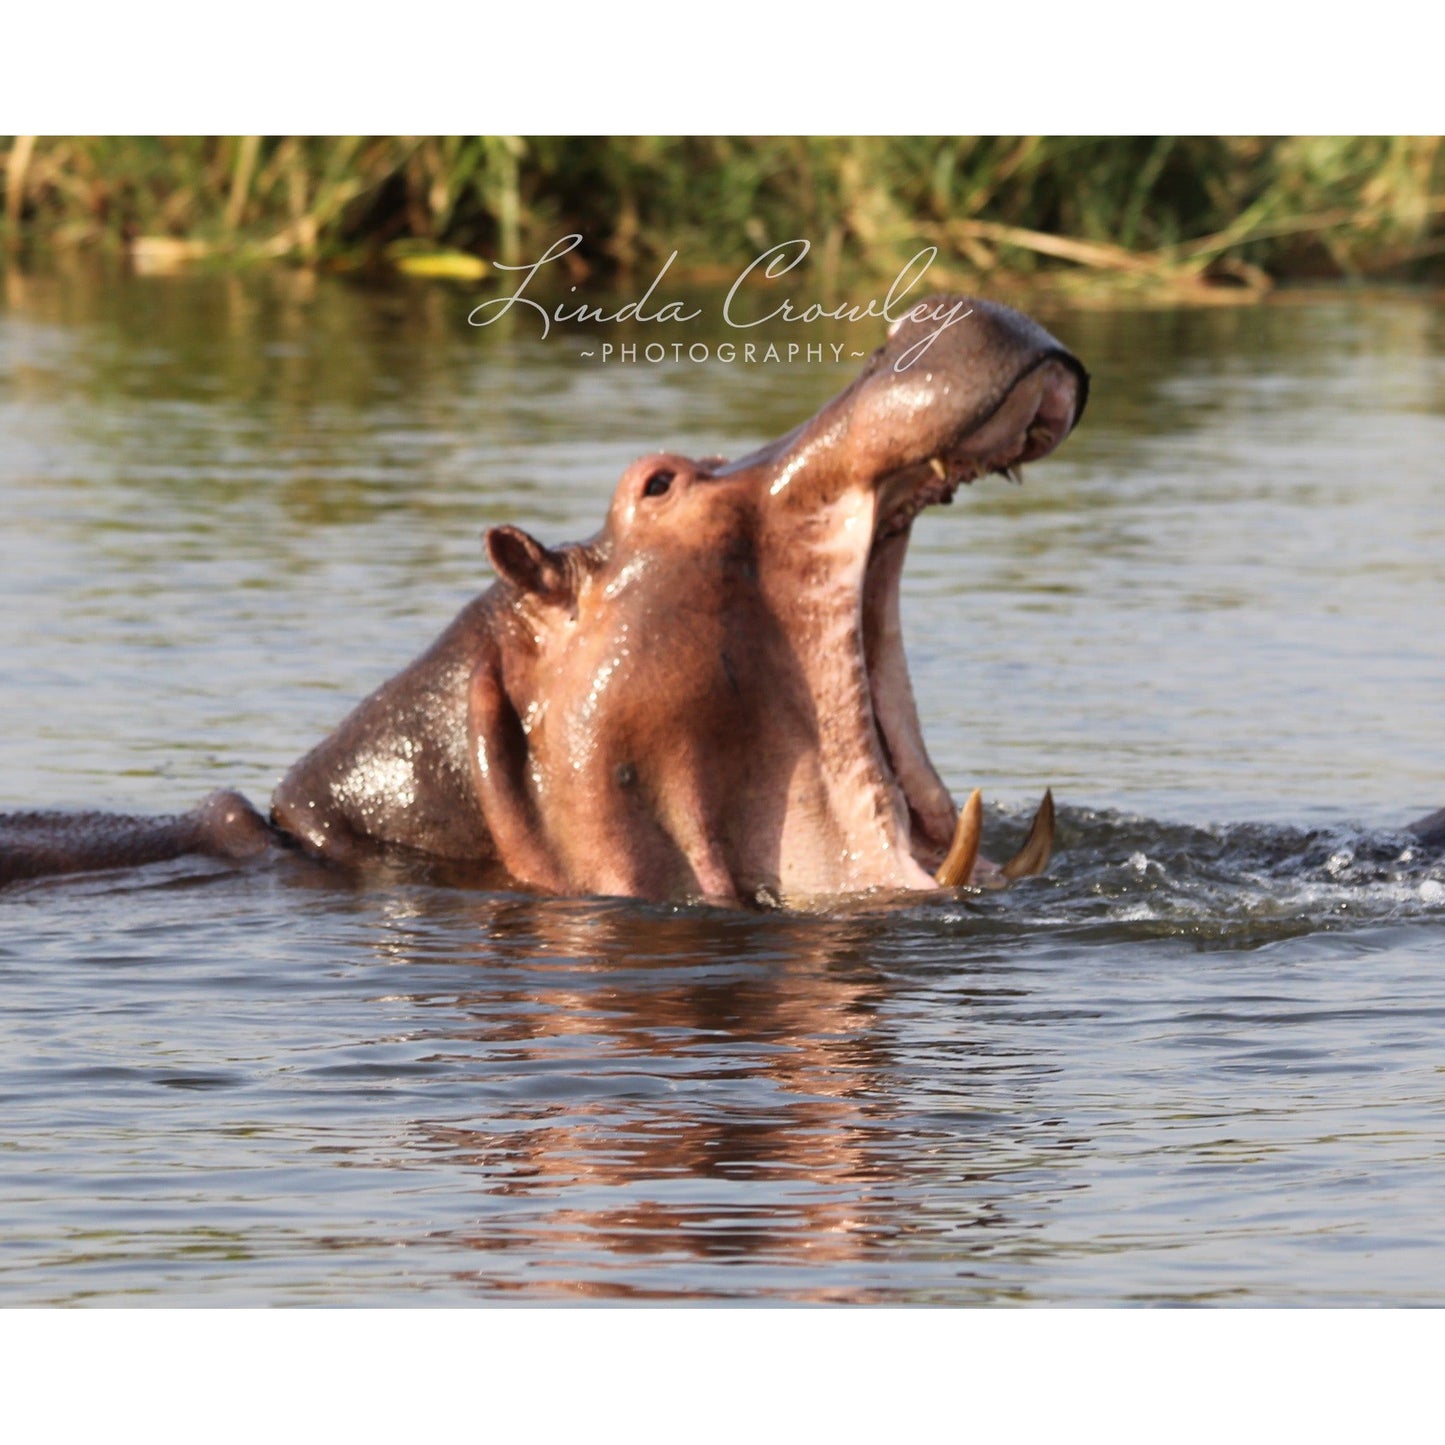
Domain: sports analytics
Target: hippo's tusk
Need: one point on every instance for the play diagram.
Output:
(957, 868)
(939, 470)
(1033, 857)
(1015, 475)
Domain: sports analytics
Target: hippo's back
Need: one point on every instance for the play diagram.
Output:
(396, 772)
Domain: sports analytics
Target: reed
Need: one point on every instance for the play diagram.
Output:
(1150, 210)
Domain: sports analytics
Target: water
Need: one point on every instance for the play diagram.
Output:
(1201, 1061)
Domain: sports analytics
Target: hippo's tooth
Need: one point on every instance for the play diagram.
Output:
(957, 868)
(1040, 437)
(1015, 475)
(939, 470)
(1033, 857)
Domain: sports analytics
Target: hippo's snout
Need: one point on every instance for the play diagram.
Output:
(961, 388)
(985, 391)
(927, 463)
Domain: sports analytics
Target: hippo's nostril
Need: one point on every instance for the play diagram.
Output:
(658, 483)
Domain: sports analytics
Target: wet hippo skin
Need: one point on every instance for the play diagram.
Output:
(709, 698)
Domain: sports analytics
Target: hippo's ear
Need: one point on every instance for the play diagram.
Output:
(528, 565)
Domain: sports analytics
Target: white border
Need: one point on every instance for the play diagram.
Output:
(738, 68)
(721, 1375)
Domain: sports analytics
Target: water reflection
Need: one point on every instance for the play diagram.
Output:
(644, 1077)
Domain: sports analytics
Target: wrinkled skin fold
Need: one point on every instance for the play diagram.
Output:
(707, 700)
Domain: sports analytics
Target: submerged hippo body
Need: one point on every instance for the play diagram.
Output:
(709, 699)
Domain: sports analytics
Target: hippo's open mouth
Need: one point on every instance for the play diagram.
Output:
(1035, 414)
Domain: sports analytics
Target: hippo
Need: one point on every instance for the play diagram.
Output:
(706, 701)
(1430, 830)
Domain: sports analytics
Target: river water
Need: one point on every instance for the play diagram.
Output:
(1202, 1061)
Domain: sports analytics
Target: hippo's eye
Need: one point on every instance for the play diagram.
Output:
(657, 484)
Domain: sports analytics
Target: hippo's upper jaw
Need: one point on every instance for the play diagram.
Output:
(987, 390)
(1036, 413)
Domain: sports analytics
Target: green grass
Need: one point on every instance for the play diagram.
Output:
(1151, 210)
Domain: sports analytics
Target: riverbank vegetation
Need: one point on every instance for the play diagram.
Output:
(1202, 213)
